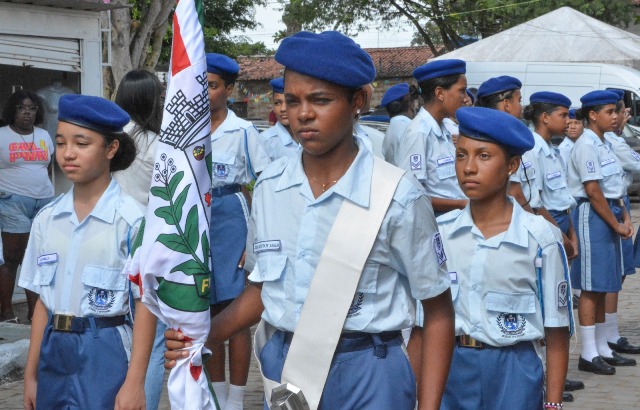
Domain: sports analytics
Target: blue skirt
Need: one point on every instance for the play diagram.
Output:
(598, 267)
(229, 214)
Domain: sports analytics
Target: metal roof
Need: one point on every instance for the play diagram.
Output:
(90, 5)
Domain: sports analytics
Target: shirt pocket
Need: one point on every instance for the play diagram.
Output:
(554, 182)
(45, 273)
(446, 171)
(105, 291)
(224, 168)
(272, 268)
(361, 310)
(611, 168)
(511, 314)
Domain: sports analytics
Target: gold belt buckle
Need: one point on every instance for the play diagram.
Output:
(62, 323)
(468, 341)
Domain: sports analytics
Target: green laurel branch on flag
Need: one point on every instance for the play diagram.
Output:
(180, 296)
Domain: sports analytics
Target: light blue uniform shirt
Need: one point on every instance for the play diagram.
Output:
(397, 125)
(291, 228)
(554, 192)
(278, 142)
(371, 137)
(426, 150)
(565, 148)
(494, 281)
(629, 159)
(76, 267)
(527, 177)
(594, 160)
(229, 152)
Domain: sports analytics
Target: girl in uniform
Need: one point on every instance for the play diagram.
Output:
(596, 181)
(509, 277)
(81, 353)
(295, 205)
(574, 131)
(238, 156)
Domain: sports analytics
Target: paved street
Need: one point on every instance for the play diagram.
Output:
(602, 392)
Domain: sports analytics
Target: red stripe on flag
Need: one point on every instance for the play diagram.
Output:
(179, 57)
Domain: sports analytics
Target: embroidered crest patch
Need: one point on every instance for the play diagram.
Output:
(511, 324)
(416, 161)
(356, 305)
(563, 294)
(591, 167)
(438, 248)
(101, 300)
(220, 171)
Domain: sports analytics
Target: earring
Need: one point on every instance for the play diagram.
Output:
(358, 111)
(509, 173)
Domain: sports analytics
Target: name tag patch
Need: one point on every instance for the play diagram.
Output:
(526, 165)
(635, 155)
(563, 294)
(446, 160)
(267, 246)
(591, 167)
(608, 161)
(454, 277)
(416, 161)
(552, 175)
(438, 248)
(48, 258)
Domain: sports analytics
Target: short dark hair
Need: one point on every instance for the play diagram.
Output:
(397, 107)
(228, 79)
(532, 112)
(583, 113)
(11, 106)
(428, 87)
(126, 153)
(492, 100)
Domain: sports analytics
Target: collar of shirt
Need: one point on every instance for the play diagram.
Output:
(431, 125)
(105, 208)
(355, 184)
(516, 234)
(283, 134)
(613, 138)
(542, 145)
(400, 118)
(231, 123)
(594, 139)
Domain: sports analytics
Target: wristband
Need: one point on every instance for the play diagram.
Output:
(548, 405)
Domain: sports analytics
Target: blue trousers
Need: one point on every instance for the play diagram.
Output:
(357, 379)
(494, 378)
(80, 370)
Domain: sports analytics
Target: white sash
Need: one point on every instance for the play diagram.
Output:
(325, 309)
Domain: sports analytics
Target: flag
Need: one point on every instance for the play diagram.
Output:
(170, 257)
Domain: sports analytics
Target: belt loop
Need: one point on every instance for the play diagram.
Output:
(94, 328)
(379, 347)
(49, 318)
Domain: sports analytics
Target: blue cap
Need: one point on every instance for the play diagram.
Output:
(498, 85)
(549, 97)
(277, 84)
(572, 113)
(221, 64)
(394, 93)
(470, 94)
(94, 113)
(439, 68)
(599, 97)
(328, 56)
(495, 126)
(619, 92)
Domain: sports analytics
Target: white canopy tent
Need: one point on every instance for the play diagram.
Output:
(563, 35)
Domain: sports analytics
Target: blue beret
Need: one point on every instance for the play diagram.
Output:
(599, 97)
(572, 113)
(277, 84)
(439, 68)
(394, 93)
(548, 97)
(619, 92)
(221, 64)
(495, 126)
(328, 56)
(470, 94)
(94, 113)
(498, 85)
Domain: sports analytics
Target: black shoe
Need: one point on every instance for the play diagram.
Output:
(618, 360)
(597, 366)
(567, 397)
(623, 346)
(572, 385)
(575, 300)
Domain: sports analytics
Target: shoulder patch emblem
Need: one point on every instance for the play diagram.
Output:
(416, 162)
(563, 294)
(438, 248)
(591, 167)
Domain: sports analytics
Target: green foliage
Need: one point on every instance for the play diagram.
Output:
(234, 46)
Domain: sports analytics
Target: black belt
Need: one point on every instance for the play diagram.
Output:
(225, 190)
(612, 202)
(357, 341)
(69, 323)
